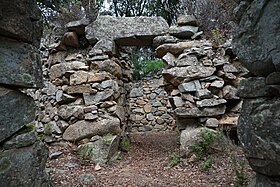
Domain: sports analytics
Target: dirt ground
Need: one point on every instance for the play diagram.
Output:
(146, 165)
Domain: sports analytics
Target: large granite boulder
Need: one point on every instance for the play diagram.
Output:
(126, 30)
(21, 19)
(19, 64)
(256, 39)
(259, 132)
(17, 110)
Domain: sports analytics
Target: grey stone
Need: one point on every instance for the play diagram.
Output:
(58, 70)
(203, 94)
(90, 116)
(17, 166)
(136, 92)
(183, 20)
(217, 84)
(63, 98)
(189, 86)
(174, 48)
(22, 139)
(103, 149)
(150, 117)
(78, 26)
(273, 78)
(55, 155)
(99, 96)
(19, 64)
(126, 30)
(169, 59)
(159, 40)
(21, 19)
(253, 87)
(212, 122)
(256, 39)
(203, 112)
(108, 66)
(258, 130)
(105, 46)
(186, 60)
(86, 129)
(229, 68)
(66, 112)
(177, 74)
(210, 102)
(183, 32)
(229, 92)
(17, 110)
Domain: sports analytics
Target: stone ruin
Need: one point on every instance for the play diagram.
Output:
(89, 93)
(88, 98)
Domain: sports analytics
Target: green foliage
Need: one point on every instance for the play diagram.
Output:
(107, 139)
(173, 160)
(144, 67)
(202, 147)
(217, 37)
(48, 129)
(125, 145)
(240, 176)
(86, 153)
(168, 9)
(207, 164)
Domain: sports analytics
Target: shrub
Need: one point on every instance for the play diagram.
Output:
(173, 160)
(125, 145)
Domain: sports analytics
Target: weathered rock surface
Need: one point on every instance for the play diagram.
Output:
(18, 166)
(19, 64)
(21, 20)
(126, 30)
(183, 31)
(78, 26)
(17, 110)
(256, 41)
(258, 130)
(85, 129)
(203, 112)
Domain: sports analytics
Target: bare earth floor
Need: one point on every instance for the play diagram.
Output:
(145, 165)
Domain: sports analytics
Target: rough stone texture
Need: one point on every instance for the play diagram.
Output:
(256, 41)
(21, 20)
(19, 64)
(203, 112)
(17, 110)
(126, 30)
(183, 32)
(84, 129)
(186, 20)
(253, 87)
(78, 26)
(24, 166)
(259, 132)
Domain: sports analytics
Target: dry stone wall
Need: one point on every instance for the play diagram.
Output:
(89, 95)
(149, 107)
(22, 155)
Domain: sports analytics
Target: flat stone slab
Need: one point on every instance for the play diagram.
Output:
(126, 30)
(19, 64)
(17, 110)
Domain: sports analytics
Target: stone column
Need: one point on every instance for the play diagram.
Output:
(22, 156)
(257, 43)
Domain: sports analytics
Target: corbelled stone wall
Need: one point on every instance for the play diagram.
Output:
(256, 42)
(22, 156)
